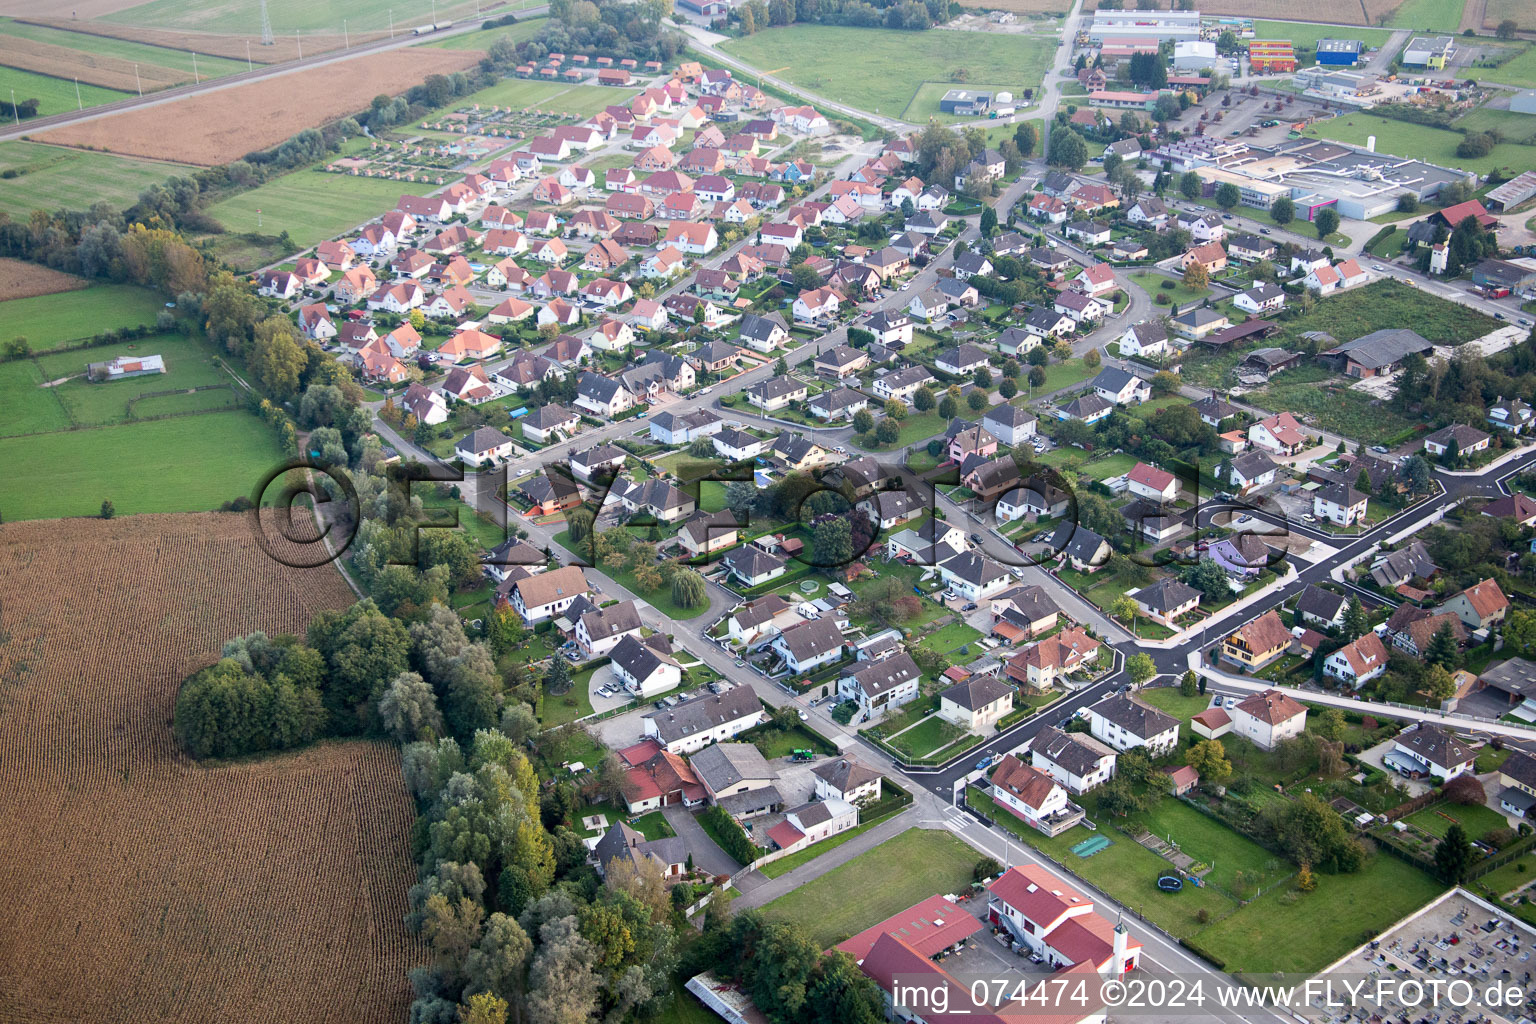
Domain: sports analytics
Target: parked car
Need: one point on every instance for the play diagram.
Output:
(976, 538)
(1379, 449)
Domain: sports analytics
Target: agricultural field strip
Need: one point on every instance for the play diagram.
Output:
(176, 60)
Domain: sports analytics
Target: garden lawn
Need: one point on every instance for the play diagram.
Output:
(857, 65)
(916, 427)
(186, 464)
(1475, 819)
(1422, 142)
(877, 884)
(522, 93)
(51, 321)
(1519, 70)
(1316, 928)
(1125, 871)
(660, 598)
(1209, 841)
(54, 95)
(951, 637)
(1170, 700)
(774, 742)
(568, 707)
(1180, 292)
(653, 826)
(926, 737)
(310, 205)
(49, 177)
(1427, 16)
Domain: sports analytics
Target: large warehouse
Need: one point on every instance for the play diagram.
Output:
(965, 102)
(1174, 25)
(1339, 52)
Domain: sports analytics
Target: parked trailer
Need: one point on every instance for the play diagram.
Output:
(421, 30)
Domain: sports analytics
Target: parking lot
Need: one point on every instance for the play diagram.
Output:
(1457, 938)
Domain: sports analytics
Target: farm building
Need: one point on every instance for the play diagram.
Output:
(125, 366)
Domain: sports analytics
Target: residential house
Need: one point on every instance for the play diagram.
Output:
(1033, 796)
(695, 723)
(974, 576)
(1263, 297)
(1011, 425)
(1321, 608)
(977, 703)
(1248, 471)
(542, 597)
(752, 566)
(1429, 750)
(1082, 307)
(1149, 482)
(1481, 606)
(550, 423)
(1124, 722)
(602, 396)
(1078, 762)
(1258, 642)
(1339, 503)
(1166, 601)
(1357, 662)
(811, 644)
(1148, 339)
(1278, 435)
(599, 631)
(776, 393)
(1458, 438)
(1054, 660)
(1121, 387)
(876, 686)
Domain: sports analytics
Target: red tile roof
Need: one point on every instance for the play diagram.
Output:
(928, 927)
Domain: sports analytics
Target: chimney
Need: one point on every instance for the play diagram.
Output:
(1122, 942)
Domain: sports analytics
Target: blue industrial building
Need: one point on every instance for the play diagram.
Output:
(1339, 52)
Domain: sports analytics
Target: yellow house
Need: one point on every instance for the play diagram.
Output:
(1257, 643)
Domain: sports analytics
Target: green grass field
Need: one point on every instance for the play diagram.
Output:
(876, 884)
(1475, 819)
(310, 205)
(1180, 292)
(1428, 15)
(1513, 127)
(302, 15)
(29, 408)
(855, 65)
(1436, 145)
(49, 178)
(1305, 34)
(1277, 933)
(1209, 841)
(187, 464)
(125, 49)
(483, 39)
(48, 321)
(578, 100)
(54, 95)
(189, 364)
(1519, 70)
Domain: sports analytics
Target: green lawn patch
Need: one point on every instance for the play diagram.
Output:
(29, 407)
(1179, 293)
(951, 637)
(853, 65)
(1210, 842)
(926, 737)
(773, 742)
(190, 363)
(1423, 142)
(1169, 699)
(49, 177)
(1475, 819)
(1279, 932)
(54, 95)
(918, 426)
(1519, 70)
(1426, 16)
(876, 884)
(51, 321)
(660, 598)
(1127, 872)
(1306, 35)
(785, 865)
(186, 464)
(653, 826)
(311, 205)
(568, 707)
(521, 93)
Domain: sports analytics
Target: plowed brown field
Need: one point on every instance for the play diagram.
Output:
(141, 886)
(221, 125)
(21, 280)
(233, 46)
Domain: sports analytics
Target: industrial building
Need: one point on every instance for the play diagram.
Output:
(1429, 51)
(1271, 56)
(1512, 193)
(1340, 53)
(966, 102)
(1357, 88)
(1159, 25)
(1314, 173)
(1194, 56)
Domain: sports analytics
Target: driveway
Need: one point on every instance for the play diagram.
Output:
(707, 856)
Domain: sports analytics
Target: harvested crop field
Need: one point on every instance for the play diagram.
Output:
(22, 280)
(1021, 6)
(283, 48)
(225, 124)
(144, 886)
(62, 62)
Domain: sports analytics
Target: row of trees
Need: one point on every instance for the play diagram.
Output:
(912, 15)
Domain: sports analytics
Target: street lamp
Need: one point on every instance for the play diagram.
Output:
(248, 65)
(136, 81)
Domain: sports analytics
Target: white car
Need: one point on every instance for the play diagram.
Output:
(840, 449)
